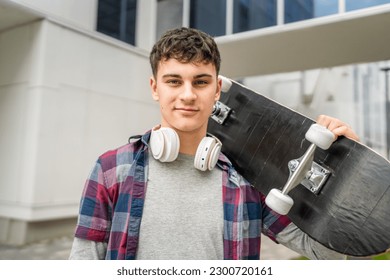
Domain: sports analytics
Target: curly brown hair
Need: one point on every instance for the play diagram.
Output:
(187, 45)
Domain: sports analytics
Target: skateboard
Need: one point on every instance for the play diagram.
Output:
(338, 193)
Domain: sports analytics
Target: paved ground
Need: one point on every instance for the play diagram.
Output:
(272, 251)
(59, 248)
(53, 249)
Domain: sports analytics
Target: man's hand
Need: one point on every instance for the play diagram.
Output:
(337, 127)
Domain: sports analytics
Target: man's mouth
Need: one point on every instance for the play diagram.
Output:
(187, 109)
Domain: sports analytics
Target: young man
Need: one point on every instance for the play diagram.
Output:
(139, 203)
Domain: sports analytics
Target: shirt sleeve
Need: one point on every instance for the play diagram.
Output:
(298, 241)
(273, 223)
(94, 220)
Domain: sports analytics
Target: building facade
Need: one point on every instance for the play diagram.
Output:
(74, 82)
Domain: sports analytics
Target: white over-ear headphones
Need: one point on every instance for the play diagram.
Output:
(165, 144)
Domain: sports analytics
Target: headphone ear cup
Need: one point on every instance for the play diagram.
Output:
(202, 154)
(214, 155)
(164, 144)
(156, 144)
(172, 145)
(207, 154)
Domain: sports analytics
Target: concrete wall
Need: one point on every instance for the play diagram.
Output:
(83, 14)
(80, 13)
(66, 96)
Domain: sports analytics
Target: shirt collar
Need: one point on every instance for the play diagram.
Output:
(145, 138)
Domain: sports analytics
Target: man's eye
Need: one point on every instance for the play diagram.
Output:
(200, 82)
(173, 82)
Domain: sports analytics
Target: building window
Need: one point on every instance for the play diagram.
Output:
(355, 5)
(116, 18)
(325, 7)
(253, 14)
(296, 10)
(209, 16)
(169, 15)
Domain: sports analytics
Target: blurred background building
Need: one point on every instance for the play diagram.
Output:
(74, 82)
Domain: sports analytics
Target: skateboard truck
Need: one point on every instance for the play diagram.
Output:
(303, 171)
(315, 178)
(220, 110)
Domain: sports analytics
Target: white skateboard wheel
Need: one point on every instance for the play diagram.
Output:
(320, 136)
(226, 83)
(279, 202)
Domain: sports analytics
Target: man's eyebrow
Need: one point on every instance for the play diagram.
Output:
(171, 76)
(205, 75)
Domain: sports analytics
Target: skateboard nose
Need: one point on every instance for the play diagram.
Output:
(226, 83)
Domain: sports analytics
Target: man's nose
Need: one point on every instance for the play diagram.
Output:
(188, 92)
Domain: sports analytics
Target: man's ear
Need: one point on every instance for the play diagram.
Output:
(219, 87)
(153, 87)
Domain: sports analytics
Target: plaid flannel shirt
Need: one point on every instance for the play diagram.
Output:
(114, 194)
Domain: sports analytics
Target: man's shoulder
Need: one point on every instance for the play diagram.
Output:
(124, 149)
(238, 180)
(122, 155)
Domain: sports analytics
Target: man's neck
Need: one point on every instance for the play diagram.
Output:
(189, 142)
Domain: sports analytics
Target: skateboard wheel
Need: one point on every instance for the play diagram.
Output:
(279, 202)
(320, 136)
(226, 83)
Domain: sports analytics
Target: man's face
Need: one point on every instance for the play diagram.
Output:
(186, 93)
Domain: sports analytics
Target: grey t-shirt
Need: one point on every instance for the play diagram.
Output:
(183, 212)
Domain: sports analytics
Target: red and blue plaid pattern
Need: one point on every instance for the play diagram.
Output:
(114, 194)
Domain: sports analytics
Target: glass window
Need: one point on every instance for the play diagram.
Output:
(361, 4)
(325, 7)
(169, 15)
(296, 10)
(117, 19)
(253, 14)
(209, 16)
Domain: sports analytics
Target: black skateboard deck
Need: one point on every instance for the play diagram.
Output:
(349, 213)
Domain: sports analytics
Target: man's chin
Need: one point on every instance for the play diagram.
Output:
(186, 128)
